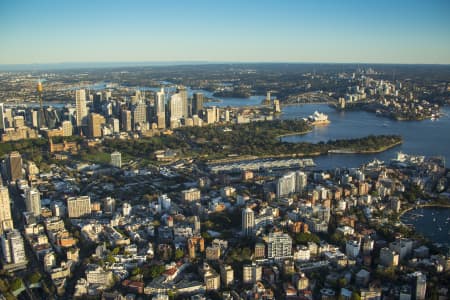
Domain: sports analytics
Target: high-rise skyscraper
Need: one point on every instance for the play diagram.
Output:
(97, 102)
(248, 221)
(197, 104)
(5, 210)
(33, 201)
(160, 107)
(34, 114)
(176, 107)
(126, 120)
(2, 119)
(420, 286)
(184, 101)
(67, 128)
(286, 185)
(8, 117)
(14, 166)
(301, 179)
(139, 114)
(13, 248)
(81, 109)
(211, 115)
(95, 122)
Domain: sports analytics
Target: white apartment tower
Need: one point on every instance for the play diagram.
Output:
(5, 210)
(301, 180)
(248, 221)
(160, 105)
(286, 185)
(81, 108)
(33, 201)
(279, 246)
(116, 159)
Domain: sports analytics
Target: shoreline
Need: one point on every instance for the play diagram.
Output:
(422, 206)
(344, 151)
(303, 155)
(294, 133)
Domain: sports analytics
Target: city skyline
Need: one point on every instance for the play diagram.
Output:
(47, 32)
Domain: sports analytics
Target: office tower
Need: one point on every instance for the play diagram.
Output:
(301, 179)
(139, 114)
(13, 248)
(35, 119)
(116, 159)
(248, 221)
(126, 120)
(81, 109)
(197, 104)
(286, 185)
(18, 121)
(2, 119)
(14, 166)
(227, 116)
(79, 206)
(108, 109)
(184, 101)
(114, 124)
(420, 286)
(268, 99)
(7, 117)
(32, 170)
(51, 118)
(33, 201)
(41, 114)
(5, 210)
(176, 107)
(137, 98)
(160, 105)
(95, 122)
(97, 102)
(279, 245)
(67, 128)
(211, 115)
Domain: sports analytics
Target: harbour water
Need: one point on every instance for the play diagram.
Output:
(429, 138)
(431, 222)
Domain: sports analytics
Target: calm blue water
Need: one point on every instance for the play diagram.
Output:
(429, 138)
(432, 222)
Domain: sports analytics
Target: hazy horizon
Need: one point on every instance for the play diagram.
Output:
(132, 64)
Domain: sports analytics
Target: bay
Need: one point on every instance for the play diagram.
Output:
(429, 138)
(431, 222)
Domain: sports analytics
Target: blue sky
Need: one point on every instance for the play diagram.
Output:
(395, 31)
